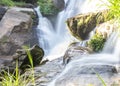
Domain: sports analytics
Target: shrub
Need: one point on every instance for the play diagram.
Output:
(96, 43)
(47, 7)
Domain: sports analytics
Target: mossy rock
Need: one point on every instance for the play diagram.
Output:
(81, 25)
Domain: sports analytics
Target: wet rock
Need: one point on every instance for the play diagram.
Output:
(48, 72)
(81, 25)
(15, 31)
(74, 51)
(85, 71)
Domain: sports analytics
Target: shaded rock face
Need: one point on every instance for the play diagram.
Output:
(82, 72)
(60, 4)
(74, 51)
(81, 25)
(22, 55)
(2, 12)
(15, 31)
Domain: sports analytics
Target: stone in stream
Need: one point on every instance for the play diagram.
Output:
(75, 50)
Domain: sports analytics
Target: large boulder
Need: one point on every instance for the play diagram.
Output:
(81, 25)
(15, 31)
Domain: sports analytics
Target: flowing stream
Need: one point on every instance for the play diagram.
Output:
(55, 40)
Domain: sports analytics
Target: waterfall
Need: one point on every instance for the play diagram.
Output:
(55, 41)
(109, 56)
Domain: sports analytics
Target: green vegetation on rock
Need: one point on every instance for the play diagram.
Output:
(96, 43)
(47, 7)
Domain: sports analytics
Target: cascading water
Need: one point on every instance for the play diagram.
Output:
(109, 56)
(55, 41)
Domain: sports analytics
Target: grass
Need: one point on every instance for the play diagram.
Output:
(17, 79)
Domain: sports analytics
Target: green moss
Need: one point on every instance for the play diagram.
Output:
(47, 7)
(96, 43)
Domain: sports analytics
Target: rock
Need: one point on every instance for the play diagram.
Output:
(23, 56)
(74, 51)
(106, 29)
(85, 71)
(81, 25)
(27, 1)
(60, 4)
(48, 71)
(15, 31)
(2, 12)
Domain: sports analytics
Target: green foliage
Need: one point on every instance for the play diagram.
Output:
(7, 2)
(47, 7)
(114, 7)
(96, 43)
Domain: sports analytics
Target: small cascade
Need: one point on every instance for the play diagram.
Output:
(45, 32)
(109, 46)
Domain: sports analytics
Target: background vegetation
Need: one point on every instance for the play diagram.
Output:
(47, 7)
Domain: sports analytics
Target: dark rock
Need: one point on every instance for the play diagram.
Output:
(60, 4)
(2, 12)
(24, 55)
(27, 1)
(81, 25)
